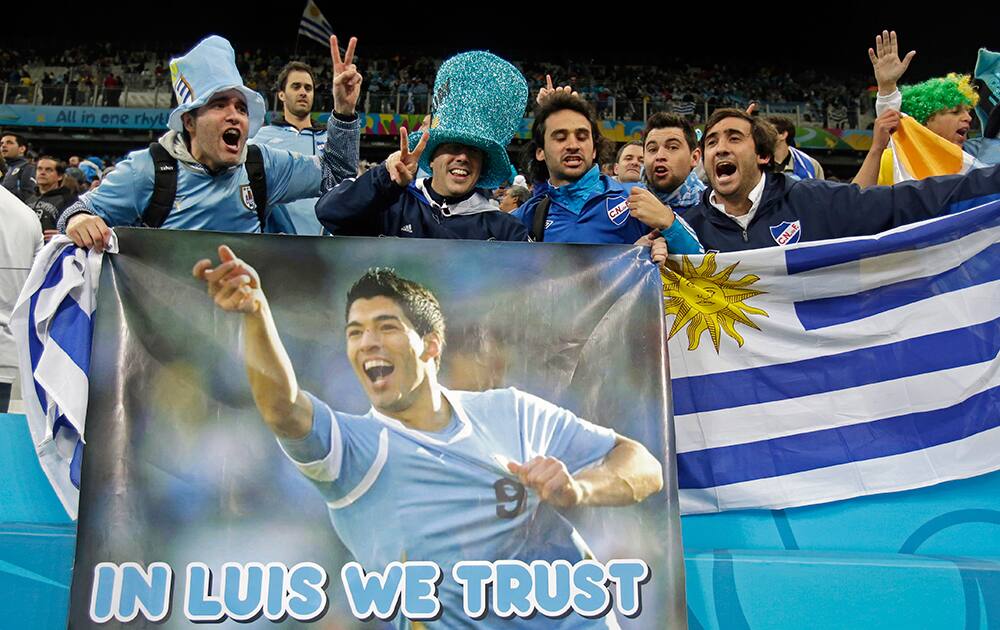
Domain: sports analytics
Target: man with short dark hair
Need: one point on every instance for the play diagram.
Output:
(573, 202)
(628, 163)
(214, 180)
(671, 153)
(788, 159)
(51, 197)
(295, 131)
(749, 207)
(461, 447)
(19, 178)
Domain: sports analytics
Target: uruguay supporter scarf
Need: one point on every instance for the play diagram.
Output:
(916, 152)
(52, 324)
(575, 195)
(802, 166)
(684, 196)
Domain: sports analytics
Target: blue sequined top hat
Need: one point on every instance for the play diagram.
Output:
(209, 68)
(479, 101)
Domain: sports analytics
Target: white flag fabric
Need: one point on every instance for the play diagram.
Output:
(314, 26)
(829, 370)
(52, 324)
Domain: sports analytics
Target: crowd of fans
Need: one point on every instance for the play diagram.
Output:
(739, 184)
(394, 83)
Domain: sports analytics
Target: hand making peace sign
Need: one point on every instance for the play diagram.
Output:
(346, 78)
(402, 165)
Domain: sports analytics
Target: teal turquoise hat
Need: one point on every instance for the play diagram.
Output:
(479, 101)
(987, 79)
(209, 68)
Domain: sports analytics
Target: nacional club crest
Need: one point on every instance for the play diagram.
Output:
(246, 193)
(786, 232)
(704, 300)
(619, 213)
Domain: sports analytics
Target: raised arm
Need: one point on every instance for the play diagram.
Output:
(888, 69)
(627, 475)
(235, 287)
(885, 125)
(340, 154)
(356, 207)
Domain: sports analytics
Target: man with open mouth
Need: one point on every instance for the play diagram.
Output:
(431, 474)
(749, 207)
(670, 155)
(201, 175)
(479, 100)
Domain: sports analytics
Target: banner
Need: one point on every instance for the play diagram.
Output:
(525, 495)
(830, 370)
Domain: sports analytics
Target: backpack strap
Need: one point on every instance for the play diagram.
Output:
(538, 221)
(258, 181)
(164, 186)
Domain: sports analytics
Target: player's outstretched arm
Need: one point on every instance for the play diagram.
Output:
(629, 474)
(235, 287)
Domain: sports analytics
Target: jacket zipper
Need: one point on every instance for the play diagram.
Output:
(745, 238)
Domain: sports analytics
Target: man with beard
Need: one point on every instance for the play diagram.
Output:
(19, 172)
(201, 175)
(749, 207)
(295, 131)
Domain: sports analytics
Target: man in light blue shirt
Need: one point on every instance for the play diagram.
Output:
(295, 131)
(447, 475)
(208, 137)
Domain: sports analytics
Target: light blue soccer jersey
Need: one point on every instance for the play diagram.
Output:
(296, 217)
(397, 494)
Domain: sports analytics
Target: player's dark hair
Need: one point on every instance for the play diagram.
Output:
(60, 165)
(290, 67)
(667, 120)
(633, 143)
(18, 138)
(537, 169)
(418, 303)
(763, 133)
(784, 124)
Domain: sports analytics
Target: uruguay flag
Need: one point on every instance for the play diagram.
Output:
(52, 324)
(829, 370)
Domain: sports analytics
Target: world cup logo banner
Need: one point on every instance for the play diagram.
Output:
(360, 432)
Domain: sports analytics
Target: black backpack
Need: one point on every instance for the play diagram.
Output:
(165, 184)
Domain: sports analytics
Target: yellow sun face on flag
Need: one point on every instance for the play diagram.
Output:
(705, 300)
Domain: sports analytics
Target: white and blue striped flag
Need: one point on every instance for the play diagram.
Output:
(52, 324)
(314, 26)
(830, 370)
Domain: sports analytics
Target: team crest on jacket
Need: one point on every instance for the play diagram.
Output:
(619, 213)
(786, 232)
(246, 193)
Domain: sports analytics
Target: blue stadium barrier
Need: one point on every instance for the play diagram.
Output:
(927, 558)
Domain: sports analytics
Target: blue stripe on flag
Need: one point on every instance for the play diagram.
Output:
(71, 329)
(75, 465)
(804, 259)
(831, 447)
(52, 278)
(980, 269)
(919, 355)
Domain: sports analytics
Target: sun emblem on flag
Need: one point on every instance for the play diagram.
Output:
(702, 299)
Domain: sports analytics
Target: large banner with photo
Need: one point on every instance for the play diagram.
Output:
(194, 509)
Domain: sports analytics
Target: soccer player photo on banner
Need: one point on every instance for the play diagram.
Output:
(355, 432)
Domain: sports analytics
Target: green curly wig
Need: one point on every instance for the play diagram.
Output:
(923, 100)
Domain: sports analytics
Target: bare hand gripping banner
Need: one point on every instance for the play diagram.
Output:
(387, 433)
